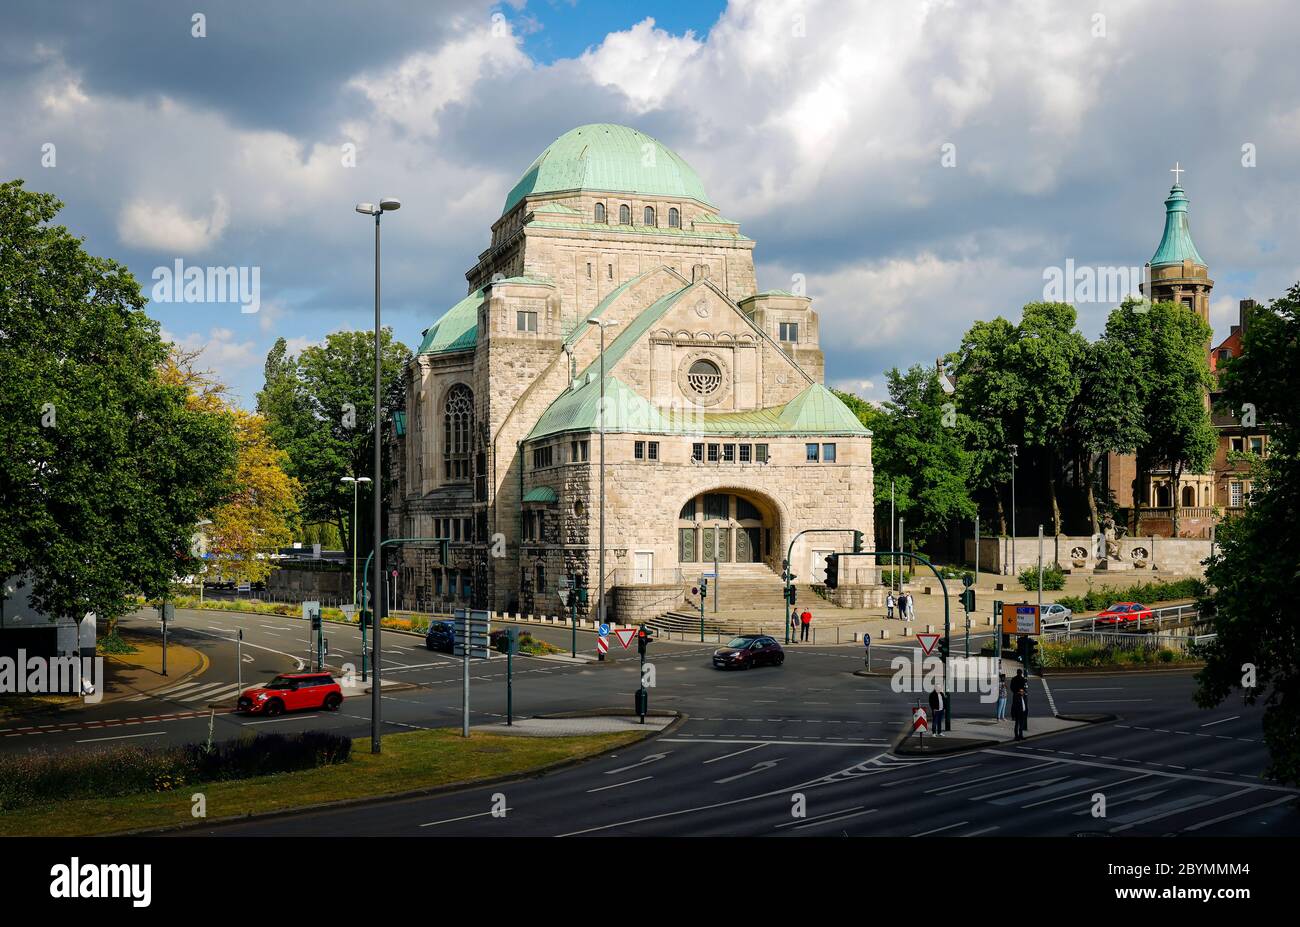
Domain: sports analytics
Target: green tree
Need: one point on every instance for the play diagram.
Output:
(1106, 414)
(320, 409)
(107, 469)
(1255, 571)
(1170, 366)
(989, 395)
(919, 444)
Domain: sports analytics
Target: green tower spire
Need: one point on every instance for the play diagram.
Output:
(1176, 244)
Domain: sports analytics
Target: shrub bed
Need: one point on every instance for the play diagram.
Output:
(1053, 577)
(43, 778)
(1067, 655)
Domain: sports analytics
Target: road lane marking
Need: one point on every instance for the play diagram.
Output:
(843, 817)
(737, 753)
(285, 718)
(1221, 721)
(945, 789)
(1237, 814)
(1173, 806)
(1108, 785)
(619, 785)
(757, 768)
(465, 817)
(937, 830)
(652, 758)
(818, 817)
(1155, 772)
(121, 737)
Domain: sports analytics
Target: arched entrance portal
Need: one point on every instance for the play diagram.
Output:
(731, 526)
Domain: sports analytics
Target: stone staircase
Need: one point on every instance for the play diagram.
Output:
(752, 598)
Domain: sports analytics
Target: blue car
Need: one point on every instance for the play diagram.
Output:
(441, 636)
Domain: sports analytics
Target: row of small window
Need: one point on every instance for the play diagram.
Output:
(459, 584)
(534, 525)
(729, 453)
(454, 529)
(1256, 445)
(1238, 494)
(645, 450)
(544, 455)
(648, 216)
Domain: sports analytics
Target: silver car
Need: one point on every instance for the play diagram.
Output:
(1055, 615)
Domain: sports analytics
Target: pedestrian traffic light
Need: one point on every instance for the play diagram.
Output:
(832, 571)
(943, 649)
(792, 595)
(643, 640)
(704, 588)
(857, 542)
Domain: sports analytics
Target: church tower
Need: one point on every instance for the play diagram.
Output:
(1178, 274)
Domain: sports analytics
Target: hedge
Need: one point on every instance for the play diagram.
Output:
(1095, 600)
(44, 778)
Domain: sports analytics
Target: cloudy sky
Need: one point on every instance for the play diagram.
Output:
(919, 162)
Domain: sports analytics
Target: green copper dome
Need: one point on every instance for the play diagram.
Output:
(608, 158)
(1176, 244)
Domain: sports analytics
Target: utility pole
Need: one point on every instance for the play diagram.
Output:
(1013, 510)
(1040, 569)
(891, 526)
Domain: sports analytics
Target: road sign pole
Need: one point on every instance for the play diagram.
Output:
(464, 686)
(513, 638)
(573, 613)
(164, 637)
(239, 660)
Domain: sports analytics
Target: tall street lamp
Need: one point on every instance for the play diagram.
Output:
(354, 480)
(387, 204)
(602, 324)
(1013, 510)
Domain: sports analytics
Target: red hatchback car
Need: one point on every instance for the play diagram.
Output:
(292, 692)
(1124, 613)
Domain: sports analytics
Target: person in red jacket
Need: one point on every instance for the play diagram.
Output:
(806, 618)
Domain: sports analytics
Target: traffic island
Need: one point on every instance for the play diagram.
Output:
(607, 721)
(978, 733)
(411, 764)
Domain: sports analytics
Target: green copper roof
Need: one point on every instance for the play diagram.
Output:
(457, 330)
(1176, 244)
(608, 158)
(815, 411)
(540, 494)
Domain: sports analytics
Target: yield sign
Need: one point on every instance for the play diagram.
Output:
(919, 720)
(625, 636)
(927, 642)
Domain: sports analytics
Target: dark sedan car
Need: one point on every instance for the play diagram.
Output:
(441, 636)
(749, 650)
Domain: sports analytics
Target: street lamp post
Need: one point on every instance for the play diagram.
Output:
(355, 481)
(387, 204)
(602, 324)
(1013, 510)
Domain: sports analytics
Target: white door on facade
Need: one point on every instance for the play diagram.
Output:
(643, 566)
(817, 567)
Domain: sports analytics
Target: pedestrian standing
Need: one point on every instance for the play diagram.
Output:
(806, 618)
(794, 624)
(889, 606)
(1002, 697)
(938, 705)
(1020, 704)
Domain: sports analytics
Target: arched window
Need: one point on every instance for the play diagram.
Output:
(600, 212)
(674, 218)
(458, 428)
(1189, 495)
(649, 216)
(624, 215)
(704, 377)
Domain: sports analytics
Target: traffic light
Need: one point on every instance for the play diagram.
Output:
(363, 618)
(968, 599)
(793, 595)
(857, 542)
(1030, 648)
(832, 571)
(643, 640)
(704, 588)
(943, 649)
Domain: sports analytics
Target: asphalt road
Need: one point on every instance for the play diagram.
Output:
(800, 749)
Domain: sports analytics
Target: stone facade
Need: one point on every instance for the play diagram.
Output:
(713, 393)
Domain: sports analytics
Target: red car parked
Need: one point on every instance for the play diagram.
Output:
(292, 692)
(1124, 613)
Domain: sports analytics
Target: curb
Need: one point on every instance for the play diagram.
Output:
(1119, 669)
(447, 789)
(899, 747)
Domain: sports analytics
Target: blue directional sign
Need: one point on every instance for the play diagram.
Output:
(604, 630)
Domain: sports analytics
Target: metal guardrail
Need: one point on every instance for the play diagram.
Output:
(1126, 640)
(1166, 617)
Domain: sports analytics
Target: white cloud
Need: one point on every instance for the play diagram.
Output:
(152, 224)
(220, 348)
(645, 63)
